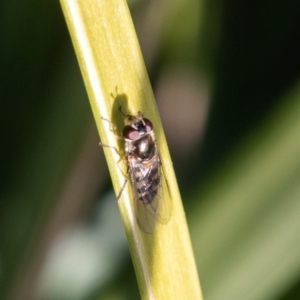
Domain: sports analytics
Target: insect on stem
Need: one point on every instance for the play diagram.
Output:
(143, 171)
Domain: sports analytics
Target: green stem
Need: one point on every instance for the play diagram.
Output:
(115, 75)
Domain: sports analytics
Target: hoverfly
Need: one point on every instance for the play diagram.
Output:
(144, 171)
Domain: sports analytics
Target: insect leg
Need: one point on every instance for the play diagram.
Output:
(124, 184)
(122, 189)
(113, 128)
(121, 156)
(112, 147)
(120, 109)
(163, 172)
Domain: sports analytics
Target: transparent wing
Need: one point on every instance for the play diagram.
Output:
(151, 194)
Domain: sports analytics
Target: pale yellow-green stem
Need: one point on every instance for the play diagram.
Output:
(114, 74)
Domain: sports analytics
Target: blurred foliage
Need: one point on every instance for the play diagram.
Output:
(239, 184)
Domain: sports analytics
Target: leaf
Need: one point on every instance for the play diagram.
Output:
(115, 76)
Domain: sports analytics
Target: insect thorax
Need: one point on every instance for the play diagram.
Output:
(143, 149)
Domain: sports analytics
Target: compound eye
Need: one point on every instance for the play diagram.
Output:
(130, 133)
(148, 124)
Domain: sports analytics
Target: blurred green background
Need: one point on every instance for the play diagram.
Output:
(226, 75)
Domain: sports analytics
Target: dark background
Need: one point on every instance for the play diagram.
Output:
(223, 72)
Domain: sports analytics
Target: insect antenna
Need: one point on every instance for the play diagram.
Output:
(131, 118)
